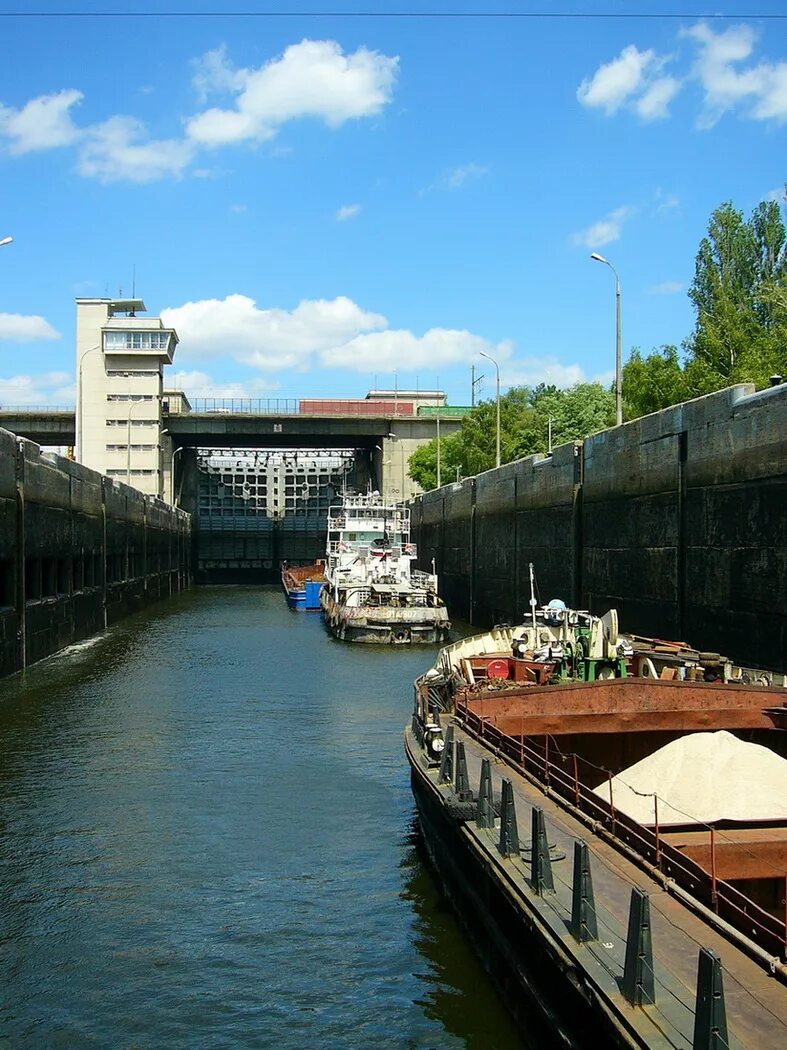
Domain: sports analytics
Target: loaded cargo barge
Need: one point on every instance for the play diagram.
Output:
(302, 584)
(602, 930)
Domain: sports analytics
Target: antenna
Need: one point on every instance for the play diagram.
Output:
(134, 281)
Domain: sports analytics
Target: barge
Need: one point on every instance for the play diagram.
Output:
(371, 591)
(302, 584)
(601, 929)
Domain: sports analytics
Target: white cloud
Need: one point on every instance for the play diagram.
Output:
(21, 328)
(50, 388)
(200, 384)
(724, 86)
(530, 371)
(401, 349)
(605, 230)
(454, 178)
(665, 288)
(42, 123)
(348, 211)
(464, 173)
(311, 79)
(267, 339)
(614, 84)
(634, 79)
(214, 73)
(666, 202)
(653, 104)
(119, 150)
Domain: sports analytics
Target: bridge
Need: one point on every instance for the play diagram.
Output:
(253, 510)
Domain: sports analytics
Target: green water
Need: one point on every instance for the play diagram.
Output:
(207, 840)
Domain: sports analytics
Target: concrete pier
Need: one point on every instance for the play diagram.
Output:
(678, 520)
(78, 551)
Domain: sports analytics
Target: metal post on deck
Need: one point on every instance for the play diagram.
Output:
(462, 782)
(541, 879)
(656, 830)
(509, 833)
(446, 774)
(485, 810)
(710, 1015)
(583, 905)
(576, 780)
(638, 979)
(714, 896)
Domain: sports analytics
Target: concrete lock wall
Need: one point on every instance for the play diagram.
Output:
(678, 520)
(78, 551)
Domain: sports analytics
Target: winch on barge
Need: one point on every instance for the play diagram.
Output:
(371, 592)
(645, 938)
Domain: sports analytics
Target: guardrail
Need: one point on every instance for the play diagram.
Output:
(285, 406)
(21, 409)
(560, 774)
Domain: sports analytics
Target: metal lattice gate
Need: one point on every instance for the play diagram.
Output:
(259, 507)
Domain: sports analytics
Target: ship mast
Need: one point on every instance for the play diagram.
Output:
(532, 593)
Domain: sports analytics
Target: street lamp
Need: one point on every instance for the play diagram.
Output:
(618, 376)
(497, 399)
(82, 356)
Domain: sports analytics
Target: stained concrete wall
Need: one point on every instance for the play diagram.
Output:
(78, 551)
(678, 519)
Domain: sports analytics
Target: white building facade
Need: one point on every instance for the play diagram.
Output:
(120, 360)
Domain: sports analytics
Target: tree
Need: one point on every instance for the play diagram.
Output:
(741, 326)
(653, 382)
(525, 416)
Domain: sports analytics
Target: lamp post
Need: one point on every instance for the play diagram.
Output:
(82, 356)
(497, 399)
(618, 376)
(175, 452)
(439, 475)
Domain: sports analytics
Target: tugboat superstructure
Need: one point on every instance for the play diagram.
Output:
(372, 593)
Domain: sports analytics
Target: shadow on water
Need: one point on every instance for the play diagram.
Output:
(457, 991)
(206, 839)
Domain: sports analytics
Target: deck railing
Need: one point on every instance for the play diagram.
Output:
(560, 774)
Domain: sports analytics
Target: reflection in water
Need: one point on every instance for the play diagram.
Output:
(207, 840)
(456, 993)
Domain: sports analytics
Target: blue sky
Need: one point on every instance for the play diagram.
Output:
(314, 202)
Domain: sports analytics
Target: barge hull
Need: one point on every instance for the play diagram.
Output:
(534, 974)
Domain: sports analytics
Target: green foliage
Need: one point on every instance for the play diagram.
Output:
(740, 330)
(653, 382)
(525, 416)
(739, 293)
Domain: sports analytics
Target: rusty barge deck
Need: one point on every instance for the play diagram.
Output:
(593, 974)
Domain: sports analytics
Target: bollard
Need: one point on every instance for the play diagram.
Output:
(446, 773)
(462, 783)
(638, 982)
(583, 906)
(540, 864)
(710, 1016)
(509, 834)
(485, 811)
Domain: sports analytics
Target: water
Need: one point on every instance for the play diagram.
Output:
(206, 840)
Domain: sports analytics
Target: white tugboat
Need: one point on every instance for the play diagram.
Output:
(371, 593)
